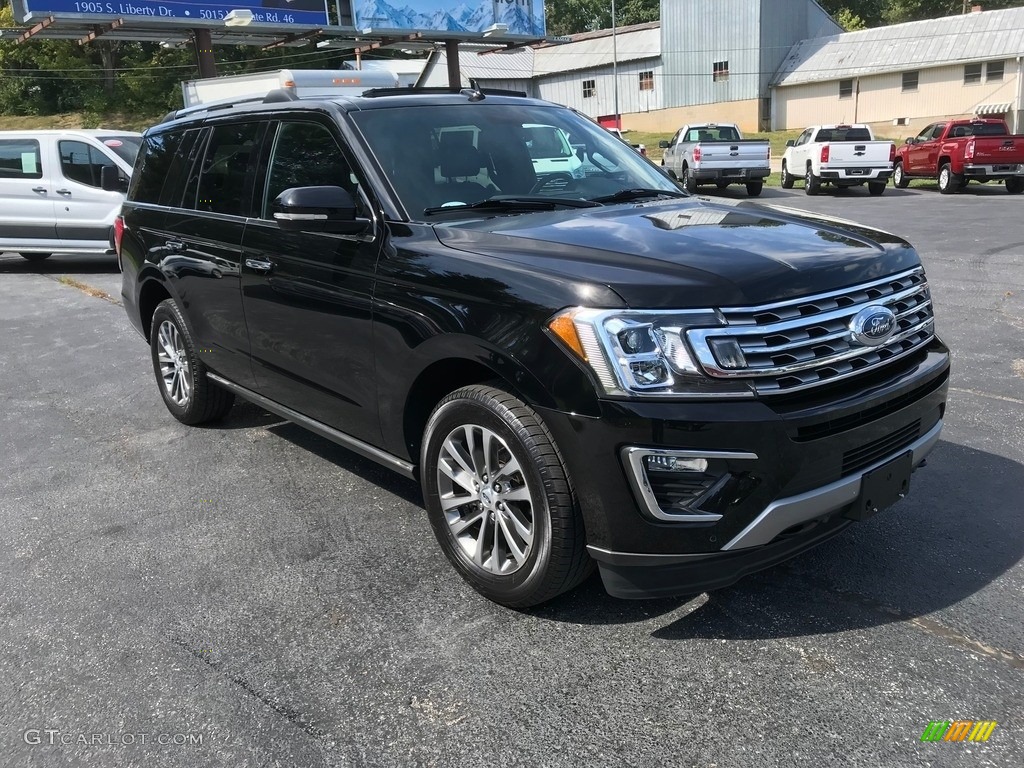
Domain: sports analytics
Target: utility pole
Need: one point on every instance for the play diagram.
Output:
(615, 69)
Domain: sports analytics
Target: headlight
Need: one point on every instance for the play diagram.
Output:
(640, 353)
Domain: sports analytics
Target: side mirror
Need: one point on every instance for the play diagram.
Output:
(111, 179)
(910, 140)
(317, 209)
(663, 144)
(791, 143)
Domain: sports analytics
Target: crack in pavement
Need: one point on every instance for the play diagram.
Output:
(291, 715)
(923, 623)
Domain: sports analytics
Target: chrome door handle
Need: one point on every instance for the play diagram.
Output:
(260, 265)
(39, 189)
(63, 191)
(176, 246)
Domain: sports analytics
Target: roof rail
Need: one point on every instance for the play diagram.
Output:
(274, 97)
(376, 92)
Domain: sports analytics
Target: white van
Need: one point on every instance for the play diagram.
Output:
(52, 196)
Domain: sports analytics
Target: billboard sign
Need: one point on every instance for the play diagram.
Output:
(305, 13)
(522, 18)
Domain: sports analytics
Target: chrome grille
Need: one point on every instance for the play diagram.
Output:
(805, 342)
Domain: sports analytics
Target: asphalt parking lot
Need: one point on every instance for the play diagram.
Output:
(252, 595)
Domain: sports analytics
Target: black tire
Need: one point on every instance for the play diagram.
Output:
(35, 256)
(949, 182)
(900, 180)
(556, 559)
(1015, 185)
(812, 183)
(690, 180)
(787, 177)
(876, 188)
(204, 400)
(754, 188)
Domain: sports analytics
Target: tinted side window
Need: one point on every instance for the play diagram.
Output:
(19, 159)
(177, 172)
(306, 155)
(81, 162)
(155, 159)
(224, 182)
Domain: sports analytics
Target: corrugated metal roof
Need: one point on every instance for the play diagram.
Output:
(589, 50)
(515, 64)
(916, 44)
(586, 51)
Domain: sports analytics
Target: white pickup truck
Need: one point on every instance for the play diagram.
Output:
(842, 155)
(717, 153)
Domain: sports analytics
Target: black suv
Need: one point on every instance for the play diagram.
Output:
(579, 365)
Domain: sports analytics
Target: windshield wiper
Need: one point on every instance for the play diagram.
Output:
(625, 195)
(514, 203)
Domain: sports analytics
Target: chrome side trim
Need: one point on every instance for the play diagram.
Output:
(636, 558)
(633, 457)
(352, 443)
(784, 513)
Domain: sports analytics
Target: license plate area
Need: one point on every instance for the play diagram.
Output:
(883, 487)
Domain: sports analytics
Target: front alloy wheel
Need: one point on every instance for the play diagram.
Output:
(487, 505)
(499, 498)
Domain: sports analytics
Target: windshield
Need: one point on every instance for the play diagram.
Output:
(459, 154)
(126, 147)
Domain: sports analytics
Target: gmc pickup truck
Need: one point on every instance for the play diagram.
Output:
(958, 151)
(708, 153)
(842, 155)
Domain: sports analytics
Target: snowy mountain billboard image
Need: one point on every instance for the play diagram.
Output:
(524, 18)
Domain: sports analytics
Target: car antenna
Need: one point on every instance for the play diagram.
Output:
(474, 92)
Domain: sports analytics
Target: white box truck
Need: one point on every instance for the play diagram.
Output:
(304, 83)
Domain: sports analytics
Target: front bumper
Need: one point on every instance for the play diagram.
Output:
(811, 454)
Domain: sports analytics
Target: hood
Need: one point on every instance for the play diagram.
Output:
(690, 252)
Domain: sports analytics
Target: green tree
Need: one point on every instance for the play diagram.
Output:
(568, 17)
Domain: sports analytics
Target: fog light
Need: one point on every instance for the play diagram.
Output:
(663, 463)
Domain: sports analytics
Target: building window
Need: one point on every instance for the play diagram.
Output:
(994, 70)
(589, 89)
(846, 89)
(720, 71)
(972, 74)
(910, 81)
(646, 81)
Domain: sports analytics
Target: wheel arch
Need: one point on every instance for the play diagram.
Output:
(151, 293)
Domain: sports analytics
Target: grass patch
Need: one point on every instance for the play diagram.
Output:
(116, 121)
(96, 293)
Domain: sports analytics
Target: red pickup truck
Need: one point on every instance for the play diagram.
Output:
(957, 151)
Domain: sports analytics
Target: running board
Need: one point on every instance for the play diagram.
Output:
(347, 441)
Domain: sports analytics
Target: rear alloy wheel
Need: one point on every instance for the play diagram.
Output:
(35, 256)
(188, 393)
(900, 180)
(787, 177)
(754, 188)
(876, 188)
(1015, 185)
(949, 182)
(499, 500)
(812, 183)
(690, 180)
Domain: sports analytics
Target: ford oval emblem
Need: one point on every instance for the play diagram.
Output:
(873, 325)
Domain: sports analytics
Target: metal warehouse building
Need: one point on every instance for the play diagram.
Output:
(907, 75)
(768, 64)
